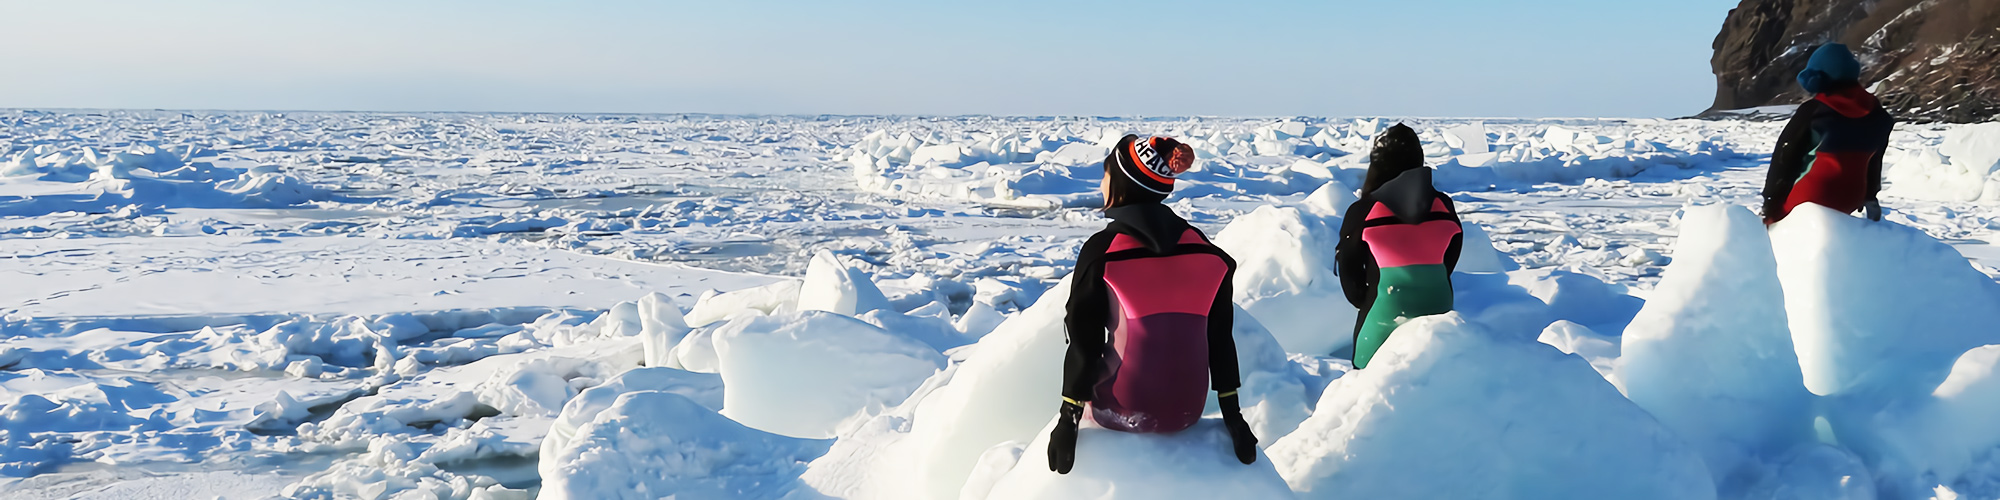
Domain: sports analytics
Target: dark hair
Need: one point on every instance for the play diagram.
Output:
(1120, 190)
(1397, 150)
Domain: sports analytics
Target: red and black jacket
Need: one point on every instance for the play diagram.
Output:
(1829, 154)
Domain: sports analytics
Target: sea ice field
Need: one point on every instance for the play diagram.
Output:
(249, 305)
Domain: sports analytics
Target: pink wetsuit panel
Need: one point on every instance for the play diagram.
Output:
(1383, 211)
(1177, 284)
(1124, 242)
(1399, 245)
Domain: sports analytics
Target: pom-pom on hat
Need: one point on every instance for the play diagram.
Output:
(1152, 162)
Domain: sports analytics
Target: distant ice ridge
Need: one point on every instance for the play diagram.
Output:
(1058, 163)
(46, 179)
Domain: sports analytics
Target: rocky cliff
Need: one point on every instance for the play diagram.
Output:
(1927, 59)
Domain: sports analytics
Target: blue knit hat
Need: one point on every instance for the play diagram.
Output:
(1830, 66)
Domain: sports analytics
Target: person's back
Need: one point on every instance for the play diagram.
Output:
(1162, 290)
(1398, 245)
(1831, 152)
(1150, 317)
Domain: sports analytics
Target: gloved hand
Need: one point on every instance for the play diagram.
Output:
(1239, 430)
(1062, 441)
(1874, 210)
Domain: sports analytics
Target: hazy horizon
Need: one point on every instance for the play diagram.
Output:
(1440, 58)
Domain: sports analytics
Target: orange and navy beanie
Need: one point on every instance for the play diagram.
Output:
(1153, 162)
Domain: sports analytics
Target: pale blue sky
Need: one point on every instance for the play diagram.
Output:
(1529, 58)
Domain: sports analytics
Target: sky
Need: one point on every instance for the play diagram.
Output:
(1435, 58)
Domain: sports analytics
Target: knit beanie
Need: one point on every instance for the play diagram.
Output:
(1153, 162)
(1829, 67)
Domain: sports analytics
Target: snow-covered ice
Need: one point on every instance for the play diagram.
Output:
(1499, 414)
(312, 305)
(1194, 463)
(1711, 355)
(812, 374)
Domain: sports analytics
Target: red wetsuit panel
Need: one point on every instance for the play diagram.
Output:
(1836, 180)
(1399, 245)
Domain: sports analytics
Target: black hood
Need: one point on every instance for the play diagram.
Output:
(1409, 195)
(1154, 224)
(1396, 150)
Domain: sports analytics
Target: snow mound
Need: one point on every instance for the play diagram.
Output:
(1965, 167)
(835, 288)
(1711, 356)
(1579, 298)
(652, 444)
(662, 326)
(1477, 255)
(702, 388)
(534, 384)
(1285, 277)
(1501, 416)
(1818, 472)
(1946, 437)
(147, 177)
(1274, 396)
(1601, 351)
(28, 422)
(1878, 308)
(1007, 391)
(1110, 465)
(774, 298)
(813, 374)
(1330, 201)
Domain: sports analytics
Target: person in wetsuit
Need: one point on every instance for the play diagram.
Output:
(1831, 152)
(1398, 244)
(1149, 313)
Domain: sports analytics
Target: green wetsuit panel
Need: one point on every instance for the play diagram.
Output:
(1401, 294)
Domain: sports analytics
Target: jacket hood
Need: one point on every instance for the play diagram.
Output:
(1154, 224)
(1851, 101)
(1410, 196)
(1396, 150)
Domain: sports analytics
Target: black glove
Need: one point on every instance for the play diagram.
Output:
(1874, 210)
(1062, 441)
(1239, 430)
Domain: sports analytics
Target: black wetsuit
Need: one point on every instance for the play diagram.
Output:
(1149, 318)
